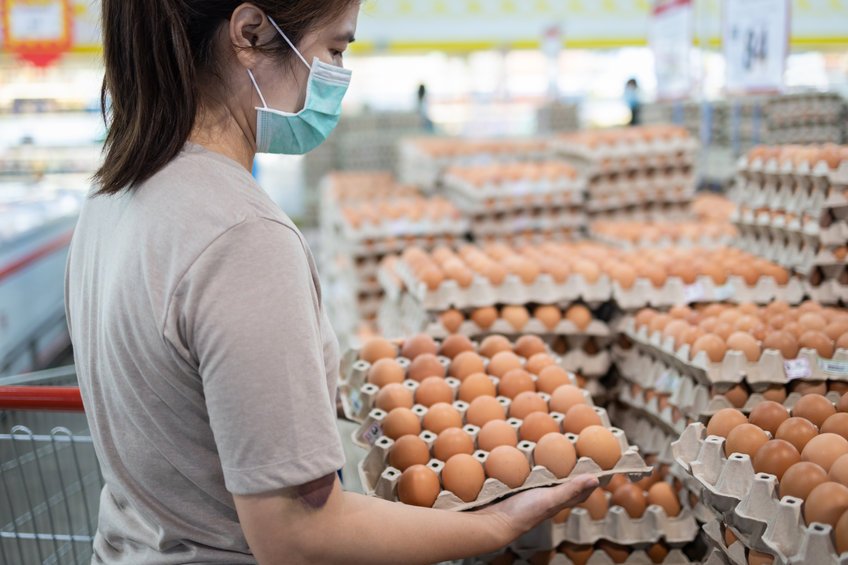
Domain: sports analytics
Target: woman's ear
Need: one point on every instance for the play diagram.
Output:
(249, 27)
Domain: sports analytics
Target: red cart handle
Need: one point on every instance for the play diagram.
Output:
(51, 398)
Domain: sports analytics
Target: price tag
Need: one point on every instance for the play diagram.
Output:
(694, 293)
(833, 367)
(355, 401)
(37, 21)
(373, 433)
(670, 38)
(755, 39)
(797, 368)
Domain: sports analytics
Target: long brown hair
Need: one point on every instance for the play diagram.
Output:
(156, 53)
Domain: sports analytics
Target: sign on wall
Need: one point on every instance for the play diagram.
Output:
(670, 38)
(38, 31)
(755, 41)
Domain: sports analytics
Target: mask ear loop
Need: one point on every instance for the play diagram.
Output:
(256, 86)
(273, 23)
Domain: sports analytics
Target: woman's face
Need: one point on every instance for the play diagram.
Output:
(284, 86)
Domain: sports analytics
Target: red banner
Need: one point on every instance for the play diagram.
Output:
(38, 31)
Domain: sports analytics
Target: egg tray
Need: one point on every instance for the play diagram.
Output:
(734, 368)
(663, 242)
(659, 153)
(650, 409)
(598, 557)
(380, 480)
(652, 437)
(543, 192)
(390, 245)
(519, 222)
(596, 328)
(829, 291)
(793, 251)
(622, 199)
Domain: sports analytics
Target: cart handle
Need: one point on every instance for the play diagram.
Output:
(50, 398)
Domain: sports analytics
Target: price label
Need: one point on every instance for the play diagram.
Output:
(373, 433)
(694, 293)
(355, 401)
(833, 367)
(755, 38)
(797, 368)
(670, 39)
(724, 292)
(37, 21)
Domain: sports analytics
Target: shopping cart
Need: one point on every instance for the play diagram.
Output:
(50, 481)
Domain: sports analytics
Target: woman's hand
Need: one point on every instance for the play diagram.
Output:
(521, 512)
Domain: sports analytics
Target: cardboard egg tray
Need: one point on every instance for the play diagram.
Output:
(598, 557)
(656, 153)
(624, 197)
(380, 479)
(520, 221)
(404, 227)
(663, 242)
(542, 192)
(645, 429)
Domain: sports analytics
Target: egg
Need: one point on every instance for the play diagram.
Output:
(516, 316)
(525, 403)
(452, 441)
(433, 390)
(797, 431)
(737, 395)
(441, 416)
(836, 424)
(484, 317)
(631, 498)
(842, 405)
(838, 472)
(418, 345)
(712, 345)
(400, 422)
(466, 363)
(495, 433)
(580, 316)
(617, 552)
(801, 478)
(537, 424)
(600, 445)
(775, 457)
(840, 532)
(580, 417)
(564, 397)
(782, 341)
(839, 387)
(503, 362)
(538, 362)
(596, 504)
(392, 396)
(662, 494)
(508, 465)
(723, 421)
(425, 365)
(550, 378)
(578, 554)
(556, 453)
(804, 387)
(756, 557)
(484, 409)
(474, 385)
(817, 340)
(494, 344)
(824, 449)
(657, 552)
(836, 329)
(549, 315)
(464, 476)
(385, 371)
(775, 393)
(407, 451)
(658, 323)
(729, 537)
(455, 344)
(528, 345)
(745, 438)
(812, 321)
(826, 503)
(644, 316)
(744, 342)
(377, 348)
(451, 320)
(768, 416)
(815, 408)
(419, 486)
(514, 382)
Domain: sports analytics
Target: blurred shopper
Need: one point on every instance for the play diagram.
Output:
(423, 108)
(207, 365)
(631, 96)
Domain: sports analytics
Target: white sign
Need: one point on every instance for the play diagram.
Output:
(670, 38)
(755, 41)
(37, 22)
(797, 368)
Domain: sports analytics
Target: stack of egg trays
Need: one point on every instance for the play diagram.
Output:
(735, 367)
(792, 244)
(748, 502)
(509, 195)
(833, 235)
(663, 242)
(599, 557)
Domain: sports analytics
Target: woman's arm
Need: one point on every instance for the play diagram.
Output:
(320, 523)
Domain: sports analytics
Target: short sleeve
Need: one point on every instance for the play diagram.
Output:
(247, 315)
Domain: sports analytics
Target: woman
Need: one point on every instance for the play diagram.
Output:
(207, 365)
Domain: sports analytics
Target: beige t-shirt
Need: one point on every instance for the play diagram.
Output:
(205, 358)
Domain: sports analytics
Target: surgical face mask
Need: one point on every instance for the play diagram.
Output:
(297, 133)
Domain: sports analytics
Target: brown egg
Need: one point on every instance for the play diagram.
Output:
(775, 457)
(782, 341)
(842, 341)
(385, 371)
(797, 431)
(377, 348)
(484, 317)
(836, 424)
(451, 320)
(503, 362)
(662, 494)
(516, 316)
(538, 362)
(392, 396)
(768, 416)
(745, 438)
(812, 321)
(615, 481)
(644, 317)
(425, 365)
(452, 441)
(839, 387)
(419, 486)
(514, 382)
(759, 558)
(417, 345)
(407, 451)
(596, 505)
(824, 449)
(658, 323)
(474, 385)
(815, 408)
(494, 344)
(838, 472)
(400, 422)
(580, 417)
(600, 445)
(775, 393)
(826, 503)
(729, 537)
(525, 403)
(442, 416)
(723, 421)
(562, 516)
(631, 498)
(528, 345)
(744, 342)
(580, 316)
(801, 478)
(836, 329)
(508, 465)
(805, 387)
(817, 340)
(537, 424)
(466, 363)
(455, 344)
(495, 433)
(484, 409)
(578, 554)
(737, 395)
(712, 345)
(617, 552)
(463, 475)
(433, 390)
(842, 405)
(564, 397)
(840, 532)
(657, 552)
(550, 378)
(549, 315)
(555, 452)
